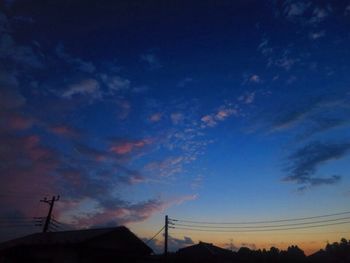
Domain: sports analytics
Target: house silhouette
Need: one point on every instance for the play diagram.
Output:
(116, 244)
(204, 252)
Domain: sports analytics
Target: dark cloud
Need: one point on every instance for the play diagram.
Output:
(118, 212)
(293, 113)
(322, 124)
(306, 160)
(174, 243)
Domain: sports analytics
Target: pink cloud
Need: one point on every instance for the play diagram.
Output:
(18, 122)
(128, 146)
(63, 130)
(211, 120)
(155, 117)
(208, 120)
(27, 169)
(254, 79)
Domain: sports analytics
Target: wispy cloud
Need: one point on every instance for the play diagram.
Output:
(310, 109)
(114, 211)
(80, 64)
(115, 83)
(211, 120)
(126, 146)
(317, 35)
(295, 9)
(176, 117)
(306, 160)
(155, 117)
(167, 167)
(89, 87)
(152, 60)
(247, 98)
(254, 79)
(347, 10)
(64, 130)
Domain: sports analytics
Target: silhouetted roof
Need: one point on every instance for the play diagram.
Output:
(203, 248)
(120, 238)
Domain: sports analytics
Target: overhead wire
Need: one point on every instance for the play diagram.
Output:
(262, 226)
(149, 240)
(257, 230)
(258, 222)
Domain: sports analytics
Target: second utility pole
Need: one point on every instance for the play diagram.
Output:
(166, 236)
(48, 218)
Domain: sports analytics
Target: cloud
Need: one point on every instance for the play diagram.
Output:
(13, 121)
(247, 98)
(211, 120)
(347, 10)
(19, 55)
(289, 120)
(126, 146)
(63, 130)
(115, 83)
(85, 87)
(306, 13)
(314, 109)
(177, 243)
(322, 124)
(124, 109)
(167, 167)
(174, 243)
(317, 35)
(176, 117)
(27, 168)
(155, 117)
(80, 64)
(113, 211)
(319, 14)
(10, 97)
(90, 152)
(285, 62)
(296, 9)
(152, 60)
(208, 121)
(306, 160)
(254, 79)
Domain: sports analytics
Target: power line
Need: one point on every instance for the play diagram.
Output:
(17, 225)
(149, 240)
(258, 222)
(263, 226)
(257, 230)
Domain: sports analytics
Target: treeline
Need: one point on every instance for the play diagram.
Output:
(338, 252)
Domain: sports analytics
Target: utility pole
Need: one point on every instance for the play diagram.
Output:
(166, 236)
(51, 204)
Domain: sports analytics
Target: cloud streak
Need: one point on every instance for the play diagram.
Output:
(306, 160)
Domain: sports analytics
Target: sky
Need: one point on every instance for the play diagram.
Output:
(218, 111)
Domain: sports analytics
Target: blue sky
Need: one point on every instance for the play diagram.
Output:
(132, 110)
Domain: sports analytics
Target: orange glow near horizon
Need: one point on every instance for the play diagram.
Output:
(309, 240)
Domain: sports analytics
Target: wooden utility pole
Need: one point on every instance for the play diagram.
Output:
(51, 204)
(166, 236)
